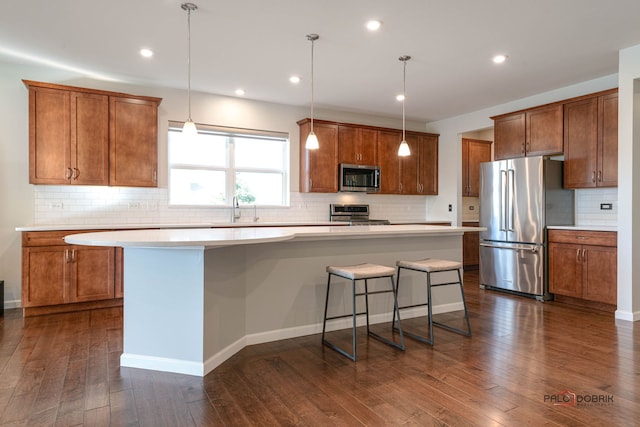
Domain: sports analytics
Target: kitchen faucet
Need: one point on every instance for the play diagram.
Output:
(235, 208)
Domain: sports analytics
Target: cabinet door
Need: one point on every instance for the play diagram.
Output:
(509, 136)
(319, 168)
(133, 138)
(470, 247)
(49, 133)
(119, 271)
(357, 145)
(565, 269)
(608, 140)
(388, 142)
(474, 152)
(581, 143)
(544, 131)
(428, 165)
(409, 180)
(600, 274)
(45, 275)
(89, 138)
(92, 275)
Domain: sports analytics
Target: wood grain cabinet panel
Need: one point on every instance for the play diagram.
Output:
(533, 132)
(357, 145)
(80, 136)
(56, 275)
(470, 247)
(474, 152)
(319, 168)
(390, 172)
(591, 142)
(583, 265)
(133, 142)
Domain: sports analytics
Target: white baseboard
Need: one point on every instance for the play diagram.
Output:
(628, 315)
(202, 369)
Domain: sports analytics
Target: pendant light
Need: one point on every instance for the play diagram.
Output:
(403, 150)
(189, 129)
(312, 139)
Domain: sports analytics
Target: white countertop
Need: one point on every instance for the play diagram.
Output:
(79, 227)
(215, 237)
(584, 227)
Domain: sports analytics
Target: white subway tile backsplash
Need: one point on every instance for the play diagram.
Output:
(588, 203)
(117, 205)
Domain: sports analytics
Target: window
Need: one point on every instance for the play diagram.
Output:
(222, 162)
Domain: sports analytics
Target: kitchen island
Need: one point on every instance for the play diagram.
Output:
(195, 297)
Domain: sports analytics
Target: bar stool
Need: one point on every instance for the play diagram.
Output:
(429, 266)
(363, 272)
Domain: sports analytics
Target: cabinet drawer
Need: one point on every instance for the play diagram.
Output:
(599, 238)
(49, 238)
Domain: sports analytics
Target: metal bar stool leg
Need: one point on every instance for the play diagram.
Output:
(464, 305)
(326, 306)
(366, 303)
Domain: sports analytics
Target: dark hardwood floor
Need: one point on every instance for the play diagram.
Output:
(523, 359)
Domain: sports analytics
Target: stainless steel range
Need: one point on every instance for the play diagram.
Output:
(353, 214)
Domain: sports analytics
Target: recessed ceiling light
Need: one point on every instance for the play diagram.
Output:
(147, 53)
(374, 25)
(400, 97)
(499, 59)
(240, 92)
(294, 79)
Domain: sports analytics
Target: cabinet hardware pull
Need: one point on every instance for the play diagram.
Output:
(66, 256)
(310, 183)
(68, 174)
(593, 176)
(522, 149)
(578, 255)
(599, 176)
(584, 255)
(73, 255)
(76, 173)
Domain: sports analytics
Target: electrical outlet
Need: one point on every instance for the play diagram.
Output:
(152, 205)
(450, 208)
(472, 208)
(56, 206)
(134, 205)
(606, 206)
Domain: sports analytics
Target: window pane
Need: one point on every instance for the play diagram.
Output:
(259, 188)
(204, 150)
(197, 187)
(259, 153)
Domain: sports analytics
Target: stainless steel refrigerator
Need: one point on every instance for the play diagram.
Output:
(519, 198)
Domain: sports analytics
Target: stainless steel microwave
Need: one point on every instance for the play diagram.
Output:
(359, 178)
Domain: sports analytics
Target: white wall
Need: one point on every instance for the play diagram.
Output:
(628, 184)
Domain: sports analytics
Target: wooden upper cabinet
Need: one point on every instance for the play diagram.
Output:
(544, 131)
(319, 168)
(68, 137)
(368, 145)
(390, 177)
(591, 142)
(428, 165)
(608, 140)
(533, 132)
(133, 148)
(357, 145)
(474, 152)
(91, 137)
(510, 136)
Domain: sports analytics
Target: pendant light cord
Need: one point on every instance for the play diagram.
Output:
(312, 38)
(189, 58)
(404, 97)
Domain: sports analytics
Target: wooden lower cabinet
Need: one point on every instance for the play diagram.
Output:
(57, 277)
(470, 247)
(583, 265)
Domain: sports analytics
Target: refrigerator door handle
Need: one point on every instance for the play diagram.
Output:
(511, 185)
(503, 200)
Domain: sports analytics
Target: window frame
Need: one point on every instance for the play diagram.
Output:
(230, 170)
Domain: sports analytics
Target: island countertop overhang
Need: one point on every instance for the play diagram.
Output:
(217, 237)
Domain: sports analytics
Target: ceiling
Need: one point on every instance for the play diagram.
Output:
(258, 44)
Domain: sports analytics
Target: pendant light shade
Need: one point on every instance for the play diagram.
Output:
(312, 140)
(403, 150)
(189, 129)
